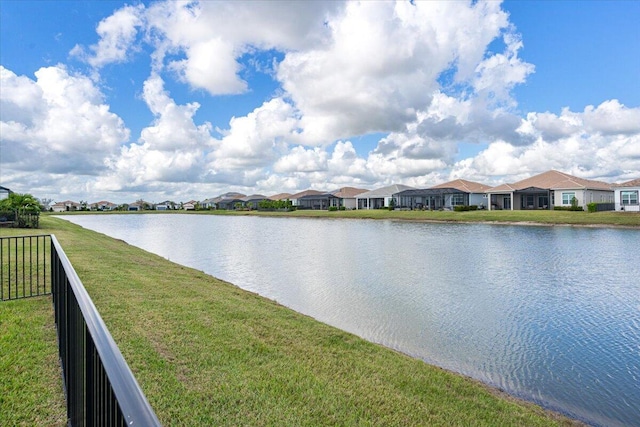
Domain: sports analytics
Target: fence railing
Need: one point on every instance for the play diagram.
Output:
(100, 387)
(25, 266)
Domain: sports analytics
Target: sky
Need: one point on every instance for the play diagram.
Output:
(168, 100)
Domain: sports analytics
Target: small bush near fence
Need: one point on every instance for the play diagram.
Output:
(461, 208)
(20, 219)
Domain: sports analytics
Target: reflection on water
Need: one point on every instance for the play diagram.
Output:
(549, 314)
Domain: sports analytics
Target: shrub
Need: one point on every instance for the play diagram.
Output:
(333, 208)
(592, 207)
(464, 208)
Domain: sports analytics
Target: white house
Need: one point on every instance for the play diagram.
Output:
(379, 198)
(626, 196)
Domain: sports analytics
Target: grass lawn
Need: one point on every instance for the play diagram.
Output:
(30, 376)
(208, 353)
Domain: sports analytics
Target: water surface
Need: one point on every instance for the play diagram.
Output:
(549, 314)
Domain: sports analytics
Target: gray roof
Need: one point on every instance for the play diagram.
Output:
(387, 191)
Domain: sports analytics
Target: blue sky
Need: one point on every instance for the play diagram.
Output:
(164, 100)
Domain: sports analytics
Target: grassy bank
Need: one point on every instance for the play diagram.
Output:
(606, 219)
(207, 353)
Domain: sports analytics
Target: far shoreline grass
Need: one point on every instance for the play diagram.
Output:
(206, 352)
(508, 217)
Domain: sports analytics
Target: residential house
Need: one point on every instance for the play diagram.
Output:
(230, 203)
(447, 195)
(380, 198)
(102, 206)
(166, 206)
(251, 202)
(430, 198)
(321, 201)
(208, 203)
(473, 193)
(223, 201)
(4, 192)
(626, 196)
(549, 189)
(297, 196)
(190, 205)
(65, 206)
(347, 196)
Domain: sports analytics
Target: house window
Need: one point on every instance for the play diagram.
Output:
(457, 199)
(567, 197)
(629, 197)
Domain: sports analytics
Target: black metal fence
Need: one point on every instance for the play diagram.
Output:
(19, 219)
(101, 389)
(25, 266)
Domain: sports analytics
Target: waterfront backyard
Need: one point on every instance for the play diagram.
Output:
(208, 353)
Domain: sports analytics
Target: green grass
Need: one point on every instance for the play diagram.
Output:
(612, 218)
(208, 353)
(30, 376)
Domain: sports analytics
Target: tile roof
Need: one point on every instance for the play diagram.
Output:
(348, 192)
(632, 183)
(552, 180)
(464, 185)
(280, 196)
(305, 193)
(384, 191)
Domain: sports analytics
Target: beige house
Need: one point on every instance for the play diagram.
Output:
(627, 196)
(549, 189)
(65, 206)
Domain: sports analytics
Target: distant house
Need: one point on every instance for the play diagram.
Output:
(473, 193)
(208, 203)
(321, 201)
(252, 202)
(4, 192)
(548, 189)
(230, 203)
(430, 198)
(627, 196)
(459, 192)
(190, 205)
(297, 196)
(165, 206)
(222, 201)
(344, 197)
(65, 206)
(102, 206)
(381, 197)
(347, 196)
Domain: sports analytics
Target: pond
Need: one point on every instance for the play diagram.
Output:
(548, 314)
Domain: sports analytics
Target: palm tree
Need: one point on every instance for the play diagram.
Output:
(24, 207)
(20, 202)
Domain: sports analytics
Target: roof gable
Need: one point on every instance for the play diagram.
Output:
(384, 191)
(632, 183)
(305, 193)
(553, 180)
(348, 192)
